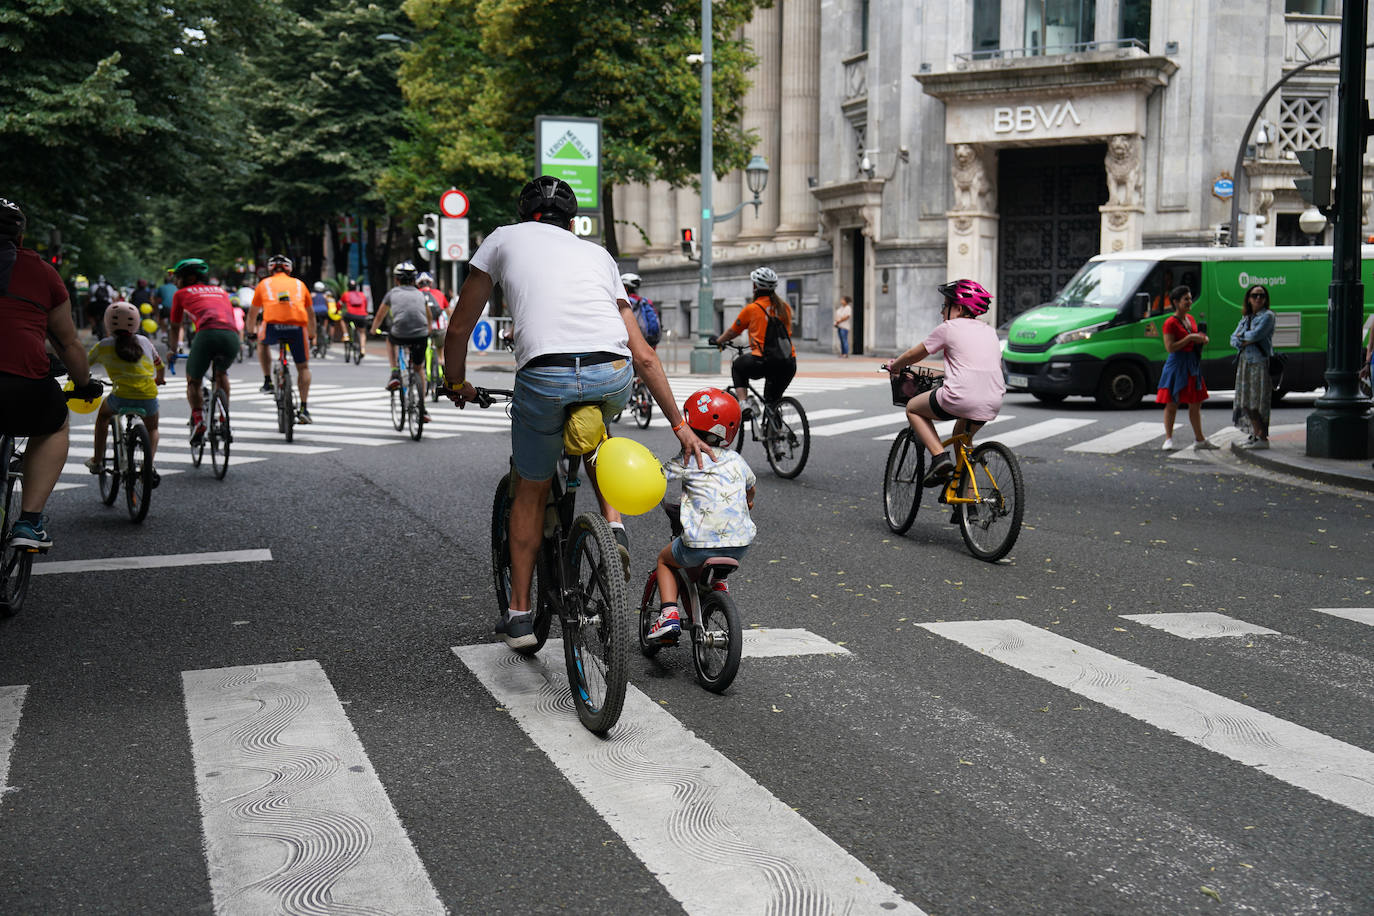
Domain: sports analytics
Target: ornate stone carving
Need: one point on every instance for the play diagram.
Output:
(963, 225)
(972, 188)
(1117, 219)
(1125, 178)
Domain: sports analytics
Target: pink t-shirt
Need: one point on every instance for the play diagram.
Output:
(973, 368)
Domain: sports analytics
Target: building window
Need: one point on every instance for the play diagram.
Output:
(1135, 20)
(1055, 26)
(1302, 121)
(863, 25)
(1313, 7)
(987, 27)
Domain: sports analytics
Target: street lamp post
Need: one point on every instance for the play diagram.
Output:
(706, 358)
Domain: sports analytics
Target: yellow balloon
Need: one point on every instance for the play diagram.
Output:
(333, 314)
(77, 405)
(149, 325)
(629, 476)
(146, 308)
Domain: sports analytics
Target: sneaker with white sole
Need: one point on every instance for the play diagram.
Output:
(33, 535)
(94, 464)
(1205, 445)
(517, 629)
(1168, 445)
(666, 628)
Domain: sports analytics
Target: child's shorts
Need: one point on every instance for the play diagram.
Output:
(149, 405)
(695, 556)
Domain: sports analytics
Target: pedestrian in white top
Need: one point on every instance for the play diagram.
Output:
(843, 313)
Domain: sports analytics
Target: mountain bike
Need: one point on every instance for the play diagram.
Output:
(283, 392)
(781, 426)
(708, 615)
(16, 562)
(320, 348)
(640, 405)
(986, 491)
(215, 408)
(408, 400)
(353, 350)
(577, 579)
(434, 372)
(129, 465)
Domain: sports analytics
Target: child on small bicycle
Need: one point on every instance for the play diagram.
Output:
(715, 506)
(135, 369)
(974, 387)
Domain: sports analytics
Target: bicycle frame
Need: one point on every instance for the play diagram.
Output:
(963, 469)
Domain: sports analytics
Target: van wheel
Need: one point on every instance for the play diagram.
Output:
(1046, 398)
(1121, 387)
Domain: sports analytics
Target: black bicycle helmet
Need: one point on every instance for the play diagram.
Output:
(547, 200)
(12, 221)
(279, 262)
(193, 269)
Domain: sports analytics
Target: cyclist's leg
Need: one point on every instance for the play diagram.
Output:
(526, 531)
(742, 370)
(43, 417)
(150, 423)
(300, 354)
(611, 386)
(266, 339)
(777, 376)
(102, 426)
(921, 412)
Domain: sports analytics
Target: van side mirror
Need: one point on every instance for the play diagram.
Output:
(1140, 305)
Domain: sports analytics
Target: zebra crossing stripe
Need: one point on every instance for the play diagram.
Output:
(895, 419)
(1121, 439)
(105, 564)
(719, 842)
(1358, 614)
(780, 642)
(168, 443)
(294, 816)
(1328, 768)
(1200, 625)
(11, 705)
(1042, 430)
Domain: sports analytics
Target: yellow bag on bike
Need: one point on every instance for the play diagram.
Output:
(584, 430)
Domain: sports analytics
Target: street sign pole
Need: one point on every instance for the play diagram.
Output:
(706, 358)
(1340, 426)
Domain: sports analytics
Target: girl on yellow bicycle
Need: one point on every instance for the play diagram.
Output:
(974, 387)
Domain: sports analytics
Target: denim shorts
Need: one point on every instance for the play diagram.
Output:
(542, 399)
(117, 404)
(694, 556)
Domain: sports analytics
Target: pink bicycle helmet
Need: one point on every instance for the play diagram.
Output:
(121, 316)
(967, 293)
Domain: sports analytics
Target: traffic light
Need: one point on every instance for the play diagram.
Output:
(55, 247)
(1316, 190)
(689, 245)
(427, 243)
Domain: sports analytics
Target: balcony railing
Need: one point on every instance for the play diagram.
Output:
(1082, 47)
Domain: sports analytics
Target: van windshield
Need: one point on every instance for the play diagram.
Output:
(1103, 283)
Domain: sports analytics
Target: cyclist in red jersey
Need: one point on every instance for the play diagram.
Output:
(355, 313)
(218, 339)
(438, 305)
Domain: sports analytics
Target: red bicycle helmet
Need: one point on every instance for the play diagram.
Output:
(968, 294)
(713, 412)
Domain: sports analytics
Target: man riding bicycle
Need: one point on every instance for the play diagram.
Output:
(439, 312)
(575, 339)
(354, 302)
(217, 337)
(973, 389)
(284, 303)
(410, 320)
(772, 356)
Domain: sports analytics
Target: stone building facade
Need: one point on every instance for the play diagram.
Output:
(1005, 140)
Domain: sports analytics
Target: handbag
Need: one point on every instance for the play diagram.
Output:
(1276, 363)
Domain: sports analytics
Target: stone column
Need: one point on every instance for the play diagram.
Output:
(662, 213)
(762, 112)
(633, 204)
(973, 220)
(1121, 214)
(801, 90)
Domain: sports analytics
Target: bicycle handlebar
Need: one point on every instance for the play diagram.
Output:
(485, 396)
(717, 342)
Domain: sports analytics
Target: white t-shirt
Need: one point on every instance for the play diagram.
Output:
(561, 290)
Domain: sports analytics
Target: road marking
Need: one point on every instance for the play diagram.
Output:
(11, 705)
(1200, 625)
(1357, 614)
(945, 428)
(1324, 766)
(294, 817)
(1039, 431)
(894, 418)
(105, 564)
(719, 842)
(1221, 437)
(1121, 439)
(182, 445)
(776, 642)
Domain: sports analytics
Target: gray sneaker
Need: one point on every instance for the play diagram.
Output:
(1259, 444)
(518, 629)
(1206, 445)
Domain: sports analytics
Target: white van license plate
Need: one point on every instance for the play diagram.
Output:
(1018, 381)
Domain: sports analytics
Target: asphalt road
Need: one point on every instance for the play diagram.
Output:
(976, 738)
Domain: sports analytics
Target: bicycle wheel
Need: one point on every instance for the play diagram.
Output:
(415, 406)
(786, 437)
(398, 409)
(219, 434)
(906, 466)
(717, 643)
(288, 407)
(138, 475)
(15, 562)
(643, 404)
(198, 450)
(109, 472)
(436, 374)
(991, 525)
(597, 629)
(500, 568)
(358, 348)
(648, 613)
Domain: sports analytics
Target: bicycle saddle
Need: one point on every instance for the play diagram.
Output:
(713, 570)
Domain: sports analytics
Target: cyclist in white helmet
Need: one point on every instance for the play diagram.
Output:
(771, 355)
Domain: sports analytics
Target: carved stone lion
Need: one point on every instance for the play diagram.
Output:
(971, 185)
(1124, 176)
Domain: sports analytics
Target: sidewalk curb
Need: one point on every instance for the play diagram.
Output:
(1268, 461)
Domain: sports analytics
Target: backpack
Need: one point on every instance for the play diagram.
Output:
(777, 341)
(647, 316)
(101, 294)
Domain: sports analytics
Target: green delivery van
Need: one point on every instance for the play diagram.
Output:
(1102, 336)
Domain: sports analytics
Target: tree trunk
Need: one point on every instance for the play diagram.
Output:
(608, 224)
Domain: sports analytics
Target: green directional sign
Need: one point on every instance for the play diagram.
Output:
(570, 148)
